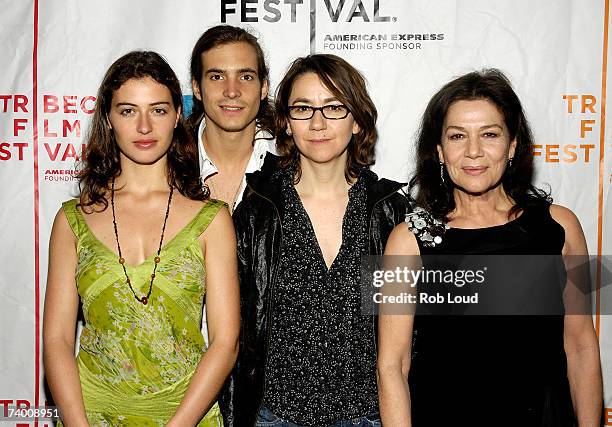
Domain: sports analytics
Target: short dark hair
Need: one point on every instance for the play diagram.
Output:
(101, 161)
(349, 86)
(221, 35)
(436, 195)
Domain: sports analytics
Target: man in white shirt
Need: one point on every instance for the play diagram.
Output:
(232, 118)
(232, 114)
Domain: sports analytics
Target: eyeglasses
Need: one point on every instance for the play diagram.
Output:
(331, 112)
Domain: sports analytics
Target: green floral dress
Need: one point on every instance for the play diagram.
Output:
(135, 361)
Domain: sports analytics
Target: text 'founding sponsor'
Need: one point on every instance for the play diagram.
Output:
(391, 41)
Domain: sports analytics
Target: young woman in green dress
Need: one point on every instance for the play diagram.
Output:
(142, 249)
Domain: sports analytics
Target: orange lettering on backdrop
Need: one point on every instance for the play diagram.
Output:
(537, 150)
(588, 102)
(568, 153)
(584, 127)
(570, 102)
(586, 148)
(552, 153)
(571, 152)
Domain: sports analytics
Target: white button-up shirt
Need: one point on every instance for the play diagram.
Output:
(263, 143)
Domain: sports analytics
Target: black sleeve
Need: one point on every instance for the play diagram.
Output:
(228, 397)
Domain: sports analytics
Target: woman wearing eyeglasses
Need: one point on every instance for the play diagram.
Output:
(307, 352)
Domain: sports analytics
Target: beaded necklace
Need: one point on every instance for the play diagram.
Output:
(144, 299)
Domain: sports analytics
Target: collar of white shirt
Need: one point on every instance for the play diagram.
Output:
(263, 143)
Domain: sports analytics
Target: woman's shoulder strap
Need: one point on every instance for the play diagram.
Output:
(73, 215)
(206, 215)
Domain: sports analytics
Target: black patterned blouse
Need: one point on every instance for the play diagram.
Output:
(321, 364)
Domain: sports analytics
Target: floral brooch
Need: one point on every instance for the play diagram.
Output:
(425, 227)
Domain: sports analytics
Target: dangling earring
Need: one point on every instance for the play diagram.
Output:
(288, 132)
(510, 162)
(442, 173)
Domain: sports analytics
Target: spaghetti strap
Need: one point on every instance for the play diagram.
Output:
(143, 354)
(70, 208)
(201, 222)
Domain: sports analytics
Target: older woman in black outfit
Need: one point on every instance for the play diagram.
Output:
(474, 170)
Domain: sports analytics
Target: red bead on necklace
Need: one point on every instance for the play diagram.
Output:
(144, 300)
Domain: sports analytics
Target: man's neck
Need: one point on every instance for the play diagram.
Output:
(228, 149)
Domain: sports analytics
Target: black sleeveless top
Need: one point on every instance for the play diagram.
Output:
(492, 370)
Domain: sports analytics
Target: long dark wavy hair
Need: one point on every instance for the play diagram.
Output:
(436, 195)
(101, 162)
(221, 35)
(348, 85)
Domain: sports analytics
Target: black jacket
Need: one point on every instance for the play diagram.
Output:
(258, 220)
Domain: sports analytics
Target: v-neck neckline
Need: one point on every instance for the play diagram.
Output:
(313, 233)
(150, 258)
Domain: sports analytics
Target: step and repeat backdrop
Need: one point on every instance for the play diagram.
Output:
(56, 51)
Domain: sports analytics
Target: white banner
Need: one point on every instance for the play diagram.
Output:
(56, 52)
